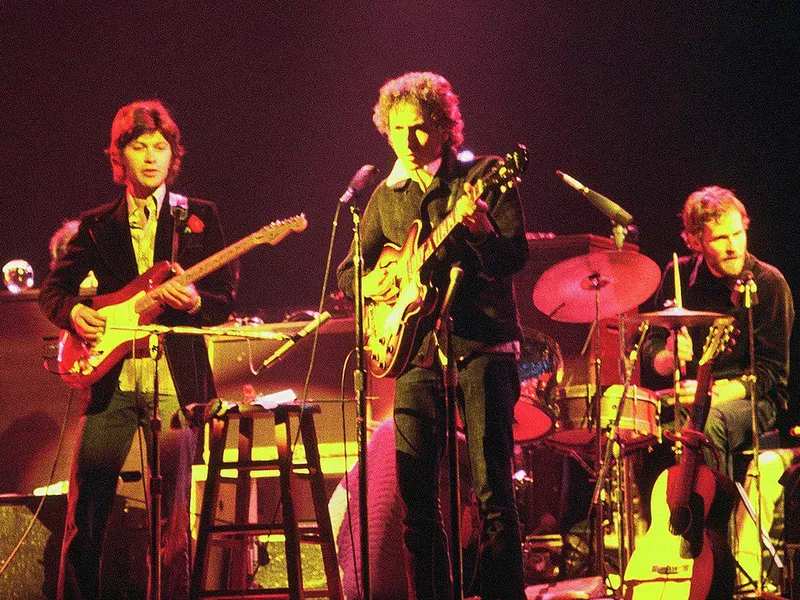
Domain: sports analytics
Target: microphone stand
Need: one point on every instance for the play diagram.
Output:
(156, 491)
(748, 289)
(444, 340)
(360, 381)
(156, 348)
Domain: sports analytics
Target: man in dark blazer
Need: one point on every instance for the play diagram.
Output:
(116, 243)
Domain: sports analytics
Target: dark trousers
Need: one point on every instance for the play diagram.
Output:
(104, 440)
(488, 390)
(729, 429)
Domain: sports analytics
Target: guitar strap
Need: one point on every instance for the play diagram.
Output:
(179, 209)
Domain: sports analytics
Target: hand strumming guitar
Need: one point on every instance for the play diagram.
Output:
(87, 322)
(380, 284)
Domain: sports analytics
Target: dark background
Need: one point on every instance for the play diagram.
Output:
(644, 102)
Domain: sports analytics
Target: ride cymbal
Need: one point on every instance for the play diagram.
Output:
(568, 290)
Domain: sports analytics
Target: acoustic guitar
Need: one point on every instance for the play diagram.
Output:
(390, 327)
(674, 560)
(82, 364)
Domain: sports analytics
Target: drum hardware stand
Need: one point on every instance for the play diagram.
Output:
(444, 339)
(622, 503)
(596, 517)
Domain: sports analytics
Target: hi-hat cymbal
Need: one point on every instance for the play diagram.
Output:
(567, 290)
(674, 317)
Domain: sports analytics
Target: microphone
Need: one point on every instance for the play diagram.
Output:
(365, 176)
(745, 283)
(608, 207)
(312, 325)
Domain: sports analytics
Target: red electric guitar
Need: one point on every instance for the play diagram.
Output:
(674, 559)
(82, 364)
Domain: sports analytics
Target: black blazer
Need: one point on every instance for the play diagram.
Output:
(103, 244)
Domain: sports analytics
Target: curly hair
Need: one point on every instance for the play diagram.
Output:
(707, 205)
(432, 93)
(135, 119)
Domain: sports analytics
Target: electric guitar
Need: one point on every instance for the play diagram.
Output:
(390, 326)
(82, 364)
(674, 559)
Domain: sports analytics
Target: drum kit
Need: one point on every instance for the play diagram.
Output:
(575, 420)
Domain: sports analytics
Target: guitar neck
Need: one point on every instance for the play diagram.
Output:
(219, 259)
(434, 240)
(702, 399)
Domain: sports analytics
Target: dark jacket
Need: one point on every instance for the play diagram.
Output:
(484, 311)
(103, 244)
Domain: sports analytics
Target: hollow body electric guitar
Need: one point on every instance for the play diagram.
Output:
(391, 326)
(675, 559)
(82, 364)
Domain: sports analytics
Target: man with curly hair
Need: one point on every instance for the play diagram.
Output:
(113, 245)
(420, 116)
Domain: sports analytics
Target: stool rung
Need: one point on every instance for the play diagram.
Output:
(266, 465)
(272, 593)
(260, 529)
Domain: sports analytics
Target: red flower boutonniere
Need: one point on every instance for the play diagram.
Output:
(194, 225)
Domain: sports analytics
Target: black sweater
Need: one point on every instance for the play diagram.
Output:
(773, 317)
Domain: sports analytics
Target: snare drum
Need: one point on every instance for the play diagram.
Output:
(575, 427)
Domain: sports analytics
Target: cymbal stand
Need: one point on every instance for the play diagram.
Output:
(605, 462)
(596, 517)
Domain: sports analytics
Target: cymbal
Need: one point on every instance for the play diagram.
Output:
(567, 290)
(674, 317)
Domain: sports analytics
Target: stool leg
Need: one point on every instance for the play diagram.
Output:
(283, 439)
(240, 557)
(320, 498)
(218, 433)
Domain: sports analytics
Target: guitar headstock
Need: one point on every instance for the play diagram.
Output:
(718, 340)
(508, 172)
(278, 230)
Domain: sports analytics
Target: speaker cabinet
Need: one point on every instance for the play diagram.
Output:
(33, 402)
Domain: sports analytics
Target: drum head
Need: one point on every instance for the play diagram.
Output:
(532, 420)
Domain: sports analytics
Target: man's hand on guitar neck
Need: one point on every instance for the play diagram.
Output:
(180, 297)
(475, 212)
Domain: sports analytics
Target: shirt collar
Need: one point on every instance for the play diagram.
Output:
(400, 174)
(159, 194)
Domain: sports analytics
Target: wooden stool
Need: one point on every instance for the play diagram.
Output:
(320, 532)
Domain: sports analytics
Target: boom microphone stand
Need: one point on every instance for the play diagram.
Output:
(360, 385)
(747, 287)
(444, 340)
